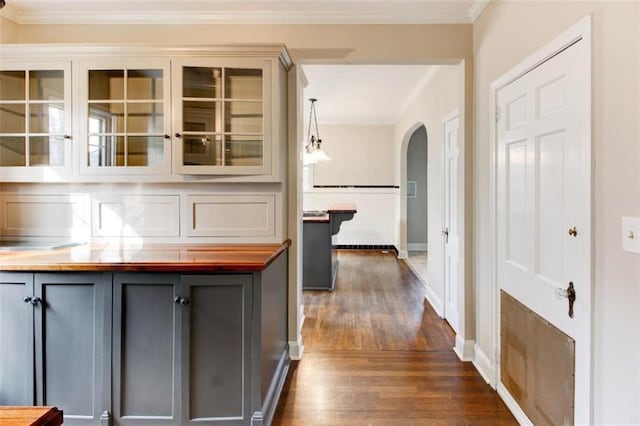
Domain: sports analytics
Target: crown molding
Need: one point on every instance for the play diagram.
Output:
(476, 9)
(337, 12)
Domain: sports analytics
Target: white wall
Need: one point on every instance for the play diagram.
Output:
(375, 221)
(504, 35)
(360, 155)
(437, 98)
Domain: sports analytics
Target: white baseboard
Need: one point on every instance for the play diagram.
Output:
(296, 348)
(417, 246)
(484, 366)
(434, 301)
(464, 348)
(513, 406)
(403, 254)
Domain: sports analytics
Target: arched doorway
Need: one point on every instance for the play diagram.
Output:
(416, 202)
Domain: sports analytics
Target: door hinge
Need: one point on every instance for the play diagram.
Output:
(497, 114)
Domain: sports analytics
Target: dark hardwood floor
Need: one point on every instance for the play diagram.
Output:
(377, 354)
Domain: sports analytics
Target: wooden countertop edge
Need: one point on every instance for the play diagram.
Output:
(316, 219)
(20, 416)
(16, 265)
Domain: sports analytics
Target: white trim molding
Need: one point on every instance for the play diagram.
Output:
(483, 364)
(513, 406)
(464, 348)
(296, 349)
(476, 9)
(434, 300)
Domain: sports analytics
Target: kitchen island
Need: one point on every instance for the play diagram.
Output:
(163, 334)
(320, 263)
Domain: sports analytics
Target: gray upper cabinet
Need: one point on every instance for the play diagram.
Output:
(146, 349)
(216, 347)
(16, 337)
(72, 344)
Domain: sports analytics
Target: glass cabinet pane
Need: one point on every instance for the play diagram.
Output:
(46, 85)
(243, 151)
(12, 118)
(12, 86)
(144, 84)
(145, 150)
(201, 82)
(12, 151)
(201, 116)
(46, 118)
(46, 151)
(145, 118)
(202, 150)
(242, 83)
(106, 118)
(106, 84)
(243, 117)
(106, 150)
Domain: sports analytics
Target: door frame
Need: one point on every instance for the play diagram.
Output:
(579, 31)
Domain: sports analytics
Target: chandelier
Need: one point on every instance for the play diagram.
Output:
(312, 151)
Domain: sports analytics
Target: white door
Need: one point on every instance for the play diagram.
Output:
(543, 199)
(450, 232)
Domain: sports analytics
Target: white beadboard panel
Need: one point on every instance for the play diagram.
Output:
(375, 222)
(116, 215)
(243, 215)
(43, 216)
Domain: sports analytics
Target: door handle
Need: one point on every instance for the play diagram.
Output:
(570, 295)
(445, 233)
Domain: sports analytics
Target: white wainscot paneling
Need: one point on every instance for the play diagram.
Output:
(236, 216)
(44, 216)
(135, 215)
(375, 222)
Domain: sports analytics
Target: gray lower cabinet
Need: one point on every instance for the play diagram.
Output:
(72, 343)
(17, 386)
(119, 349)
(55, 338)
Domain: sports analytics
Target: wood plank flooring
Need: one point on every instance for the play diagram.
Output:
(377, 354)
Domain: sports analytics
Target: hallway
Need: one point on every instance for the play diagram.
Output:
(377, 354)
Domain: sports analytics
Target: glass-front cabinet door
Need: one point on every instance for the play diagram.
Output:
(222, 117)
(35, 120)
(126, 117)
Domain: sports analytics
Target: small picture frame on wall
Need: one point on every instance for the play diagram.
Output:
(411, 189)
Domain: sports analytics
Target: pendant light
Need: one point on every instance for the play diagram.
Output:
(313, 153)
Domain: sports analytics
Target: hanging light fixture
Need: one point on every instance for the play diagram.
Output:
(312, 151)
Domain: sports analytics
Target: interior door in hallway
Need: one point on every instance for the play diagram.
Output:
(450, 232)
(543, 227)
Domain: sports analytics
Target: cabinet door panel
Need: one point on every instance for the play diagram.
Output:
(145, 357)
(16, 337)
(216, 348)
(72, 345)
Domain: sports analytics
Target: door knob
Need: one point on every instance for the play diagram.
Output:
(445, 233)
(181, 300)
(570, 295)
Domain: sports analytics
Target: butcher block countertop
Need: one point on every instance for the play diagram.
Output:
(30, 416)
(149, 258)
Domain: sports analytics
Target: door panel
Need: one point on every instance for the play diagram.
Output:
(146, 357)
(451, 240)
(216, 349)
(543, 191)
(16, 333)
(71, 344)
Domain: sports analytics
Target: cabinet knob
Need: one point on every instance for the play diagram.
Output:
(27, 299)
(181, 300)
(35, 300)
(167, 137)
(178, 135)
(68, 137)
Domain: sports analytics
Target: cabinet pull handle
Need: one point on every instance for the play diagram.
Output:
(178, 135)
(181, 300)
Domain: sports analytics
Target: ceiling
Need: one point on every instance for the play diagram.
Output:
(241, 11)
(363, 94)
